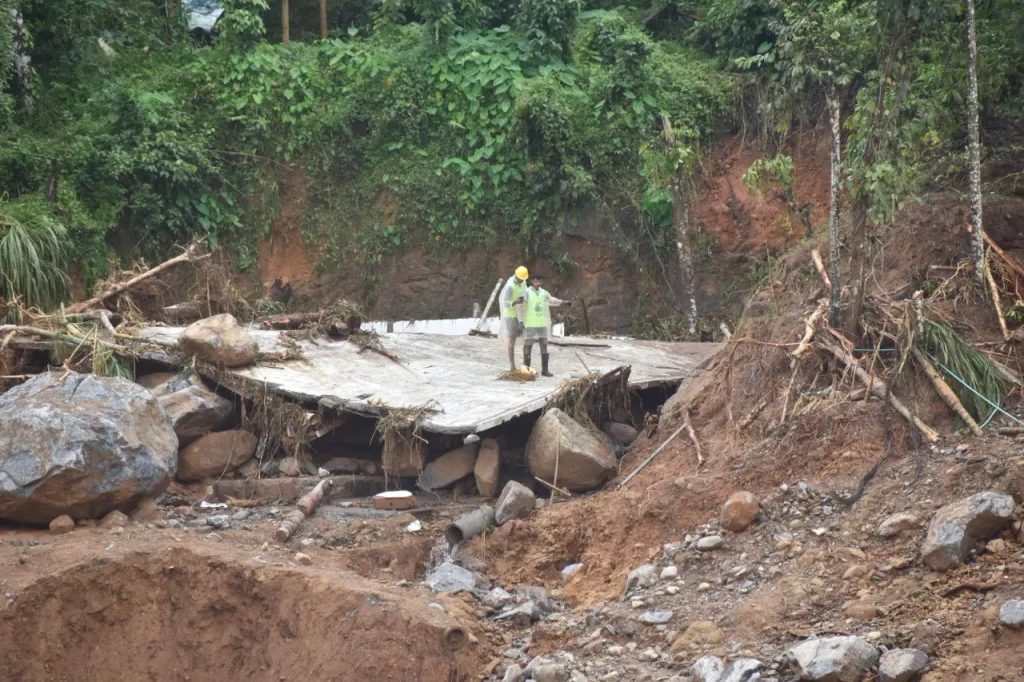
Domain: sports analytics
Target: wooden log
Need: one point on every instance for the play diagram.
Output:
(56, 336)
(487, 308)
(820, 265)
(879, 388)
(996, 302)
(693, 437)
(190, 311)
(809, 326)
(290, 523)
(945, 392)
(1002, 254)
(190, 255)
(1011, 431)
(291, 320)
(311, 500)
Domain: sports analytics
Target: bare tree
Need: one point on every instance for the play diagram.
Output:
(681, 223)
(834, 245)
(974, 145)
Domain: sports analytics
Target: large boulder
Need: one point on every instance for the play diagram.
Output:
(219, 340)
(583, 461)
(215, 454)
(624, 434)
(80, 445)
(488, 467)
(834, 659)
(448, 468)
(959, 526)
(195, 411)
(901, 665)
(739, 511)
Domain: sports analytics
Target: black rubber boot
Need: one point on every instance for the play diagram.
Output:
(527, 352)
(544, 365)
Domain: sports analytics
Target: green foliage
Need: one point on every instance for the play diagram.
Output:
(242, 22)
(766, 172)
(959, 359)
(32, 254)
(549, 23)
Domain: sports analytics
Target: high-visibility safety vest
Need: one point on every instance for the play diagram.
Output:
(537, 314)
(509, 293)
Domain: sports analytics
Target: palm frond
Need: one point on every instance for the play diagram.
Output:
(967, 366)
(32, 254)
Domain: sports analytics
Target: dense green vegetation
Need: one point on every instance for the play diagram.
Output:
(455, 122)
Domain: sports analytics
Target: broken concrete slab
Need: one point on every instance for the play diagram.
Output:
(448, 468)
(457, 374)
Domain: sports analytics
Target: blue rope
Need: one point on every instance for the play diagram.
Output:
(972, 390)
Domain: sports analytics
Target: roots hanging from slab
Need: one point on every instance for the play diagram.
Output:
(593, 397)
(399, 429)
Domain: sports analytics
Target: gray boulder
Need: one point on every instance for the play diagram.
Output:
(623, 434)
(450, 578)
(448, 468)
(516, 502)
(173, 383)
(513, 673)
(195, 411)
(584, 462)
(897, 524)
(958, 527)
(215, 454)
(707, 669)
(712, 669)
(219, 340)
(640, 577)
(488, 467)
(834, 659)
(1011, 613)
(80, 445)
(901, 665)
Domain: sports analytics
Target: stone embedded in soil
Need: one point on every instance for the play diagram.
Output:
(739, 511)
(290, 467)
(834, 659)
(516, 502)
(707, 669)
(584, 462)
(220, 341)
(569, 571)
(1011, 613)
(497, 598)
(669, 573)
(958, 527)
(115, 519)
(901, 665)
(303, 559)
(640, 577)
(710, 543)
(655, 617)
(550, 672)
(741, 670)
(195, 411)
(219, 521)
(513, 673)
(698, 633)
(450, 577)
(897, 524)
(860, 610)
(623, 434)
(81, 445)
(488, 467)
(351, 465)
(62, 524)
(215, 454)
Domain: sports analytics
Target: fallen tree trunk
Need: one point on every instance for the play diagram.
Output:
(190, 255)
(56, 336)
(190, 311)
(945, 392)
(291, 320)
(878, 388)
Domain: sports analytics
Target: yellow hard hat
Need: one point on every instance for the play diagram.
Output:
(522, 273)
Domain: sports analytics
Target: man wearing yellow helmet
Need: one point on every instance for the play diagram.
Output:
(512, 311)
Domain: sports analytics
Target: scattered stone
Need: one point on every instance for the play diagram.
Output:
(212, 537)
(524, 614)
(513, 673)
(898, 523)
(1011, 613)
(710, 543)
(739, 511)
(860, 610)
(623, 434)
(698, 633)
(901, 665)
(516, 502)
(856, 571)
(214, 454)
(641, 576)
(450, 577)
(672, 589)
(81, 445)
(497, 598)
(241, 515)
(219, 521)
(195, 412)
(649, 655)
(638, 603)
(669, 573)
(291, 467)
(958, 526)
(115, 519)
(584, 461)
(180, 381)
(703, 587)
(448, 468)
(550, 672)
(351, 465)
(62, 524)
(655, 617)
(741, 670)
(707, 669)
(834, 659)
(487, 470)
(219, 340)
(569, 571)
(303, 559)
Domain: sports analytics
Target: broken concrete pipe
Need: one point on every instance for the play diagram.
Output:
(470, 525)
(455, 638)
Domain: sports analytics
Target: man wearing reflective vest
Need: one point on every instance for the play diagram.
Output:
(537, 320)
(512, 311)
